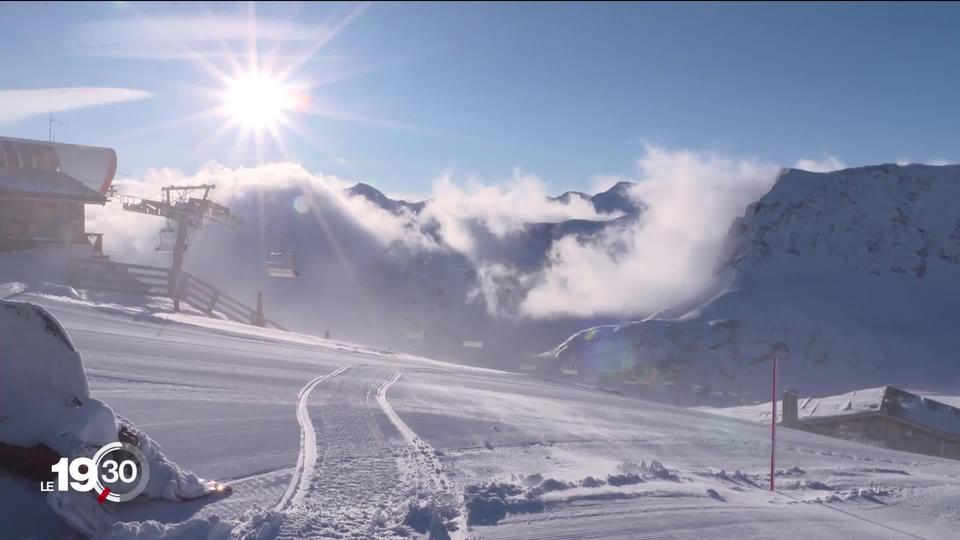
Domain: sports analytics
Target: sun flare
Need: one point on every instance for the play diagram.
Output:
(261, 99)
(257, 101)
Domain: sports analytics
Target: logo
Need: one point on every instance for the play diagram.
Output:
(118, 472)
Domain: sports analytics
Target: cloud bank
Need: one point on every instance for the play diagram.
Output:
(828, 163)
(19, 104)
(206, 36)
(629, 267)
(667, 257)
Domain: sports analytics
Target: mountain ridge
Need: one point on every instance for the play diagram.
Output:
(617, 198)
(840, 275)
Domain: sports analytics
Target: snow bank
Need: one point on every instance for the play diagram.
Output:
(489, 502)
(258, 525)
(167, 481)
(45, 400)
(44, 396)
(85, 515)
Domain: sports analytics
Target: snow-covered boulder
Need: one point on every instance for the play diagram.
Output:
(44, 396)
(45, 402)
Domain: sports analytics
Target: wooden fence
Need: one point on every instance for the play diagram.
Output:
(106, 275)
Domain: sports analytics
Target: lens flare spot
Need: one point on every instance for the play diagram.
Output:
(301, 205)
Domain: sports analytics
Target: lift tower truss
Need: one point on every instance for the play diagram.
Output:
(183, 207)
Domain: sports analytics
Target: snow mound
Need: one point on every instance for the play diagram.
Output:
(258, 525)
(45, 400)
(849, 278)
(89, 518)
(44, 396)
(167, 481)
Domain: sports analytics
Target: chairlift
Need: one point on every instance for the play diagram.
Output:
(280, 264)
(168, 239)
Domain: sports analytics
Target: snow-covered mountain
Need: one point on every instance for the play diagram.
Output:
(377, 197)
(850, 278)
(617, 198)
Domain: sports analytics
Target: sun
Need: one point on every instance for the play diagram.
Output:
(262, 98)
(257, 101)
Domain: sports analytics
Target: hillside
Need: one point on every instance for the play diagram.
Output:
(849, 278)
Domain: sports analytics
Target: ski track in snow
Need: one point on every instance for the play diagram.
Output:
(307, 458)
(361, 480)
(423, 458)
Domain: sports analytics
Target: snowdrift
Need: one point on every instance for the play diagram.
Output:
(46, 410)
(45, 398)
(849, 278)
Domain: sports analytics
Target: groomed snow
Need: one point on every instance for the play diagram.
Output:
(581, 462)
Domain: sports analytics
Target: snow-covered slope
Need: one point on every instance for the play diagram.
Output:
(850, 278)
(531, 458)
(617, 199)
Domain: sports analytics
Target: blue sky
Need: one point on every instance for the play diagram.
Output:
(565, 91)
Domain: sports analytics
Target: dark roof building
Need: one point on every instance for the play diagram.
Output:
(884, 416)
(44, 187)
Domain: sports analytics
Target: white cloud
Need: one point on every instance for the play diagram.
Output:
(631, 268)
(18, 104)
(668, 256)
(210, 28)
(500, 209)
(936, 162)
(827, 164)
(183, 37)
(133, 235)
(200, 36)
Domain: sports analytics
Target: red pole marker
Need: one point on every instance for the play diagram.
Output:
(103, 496)
(773, 425)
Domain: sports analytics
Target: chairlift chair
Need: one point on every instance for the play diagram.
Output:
(281, 265)
(168, 239)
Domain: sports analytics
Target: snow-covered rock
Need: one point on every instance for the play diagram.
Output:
(850, 278)
(44, 396)
(45, 400)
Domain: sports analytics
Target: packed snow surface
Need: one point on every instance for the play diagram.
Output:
(403, 446)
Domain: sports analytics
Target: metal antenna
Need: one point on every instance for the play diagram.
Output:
(51, 122)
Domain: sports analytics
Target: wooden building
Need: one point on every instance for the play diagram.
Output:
(44, 187)
(884, 416)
